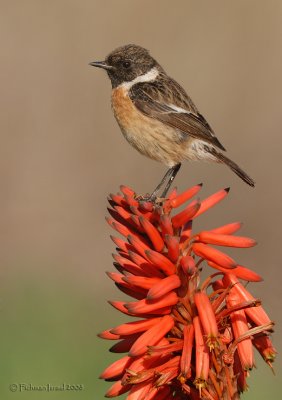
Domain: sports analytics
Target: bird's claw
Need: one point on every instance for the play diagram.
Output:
(150, 198)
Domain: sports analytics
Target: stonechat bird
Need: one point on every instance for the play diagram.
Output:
(157, 117)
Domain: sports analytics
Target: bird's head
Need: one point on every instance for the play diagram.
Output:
(126, 63)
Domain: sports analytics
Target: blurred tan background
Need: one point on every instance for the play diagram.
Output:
(62, 153)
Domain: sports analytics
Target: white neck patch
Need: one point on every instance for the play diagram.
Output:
(149, 76)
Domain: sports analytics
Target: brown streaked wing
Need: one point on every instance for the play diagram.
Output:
(154, 100)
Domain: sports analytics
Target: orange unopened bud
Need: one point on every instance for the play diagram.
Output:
(120, 306)
(141, 281)
(164, 286)
(114, 276)
(122, 212)
(136, 211)
(225, 240)
(184, 216)
(170, 365)
(185, 196)
(173, 247)
(107, 334)
(227, 229)
(122, 229)
(240, 272)
(186, 233)
(138, 244)
(126, 190)
(152, 336)
(165, 223)
(116, 368)
(117, 199)
(211, 254)
(146, 206)
(134, 220)
(134, 327)
(121, 244)
(123, 264)
(153, 234)
(149, 306)
(137, 292)
(131, 201)
(147, 268)
(124, 345)
(117, 389)
(165, 349)
(161, 261)
(188, 265)
(139, 391)
(212, 201)
(139, 363)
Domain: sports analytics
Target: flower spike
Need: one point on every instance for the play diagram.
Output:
(189, 339)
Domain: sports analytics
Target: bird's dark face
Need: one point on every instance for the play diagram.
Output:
(126, 63)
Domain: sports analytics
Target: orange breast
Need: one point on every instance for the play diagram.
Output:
(147, 135)
(124, 110)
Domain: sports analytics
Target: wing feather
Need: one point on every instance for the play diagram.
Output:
(173, 108)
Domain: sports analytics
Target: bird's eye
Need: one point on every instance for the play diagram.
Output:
(126, 64)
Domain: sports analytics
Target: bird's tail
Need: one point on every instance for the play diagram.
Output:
(233, 166)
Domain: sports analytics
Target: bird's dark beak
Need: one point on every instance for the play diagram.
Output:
(101, 64)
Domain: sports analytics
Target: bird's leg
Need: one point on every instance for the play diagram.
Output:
(174, 170)
(153, 196)
(170, 174)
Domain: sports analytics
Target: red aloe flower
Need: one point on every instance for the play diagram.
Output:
(191, 340)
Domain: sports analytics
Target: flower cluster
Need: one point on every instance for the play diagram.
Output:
(192, 339)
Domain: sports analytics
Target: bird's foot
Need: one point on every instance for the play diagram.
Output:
(150, 198)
